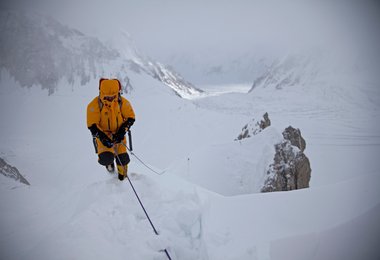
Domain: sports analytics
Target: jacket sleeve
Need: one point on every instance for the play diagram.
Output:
(127, 110)
(93, 113)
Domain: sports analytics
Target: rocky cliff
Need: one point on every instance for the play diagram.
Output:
(290, 169)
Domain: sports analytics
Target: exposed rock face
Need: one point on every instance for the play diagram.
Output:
(295, 137)
(11, 172)
(291, 168)
(254, 127)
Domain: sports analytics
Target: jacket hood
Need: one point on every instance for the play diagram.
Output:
(108, 87)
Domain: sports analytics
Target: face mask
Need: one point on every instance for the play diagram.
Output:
(108, 100)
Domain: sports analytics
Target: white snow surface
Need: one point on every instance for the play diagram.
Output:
(205, 204)
(205, 201)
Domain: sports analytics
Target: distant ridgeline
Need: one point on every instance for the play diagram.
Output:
(39, 51)
(11, 172)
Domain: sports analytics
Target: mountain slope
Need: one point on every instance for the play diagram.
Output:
(75, 209)
(37, 50)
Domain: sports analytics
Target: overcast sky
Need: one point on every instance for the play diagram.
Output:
(163, 28)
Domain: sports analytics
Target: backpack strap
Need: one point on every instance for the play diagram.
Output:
(100, 103)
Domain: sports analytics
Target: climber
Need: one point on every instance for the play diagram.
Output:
(109, 116)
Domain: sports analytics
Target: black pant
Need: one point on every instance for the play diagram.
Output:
(107, 158)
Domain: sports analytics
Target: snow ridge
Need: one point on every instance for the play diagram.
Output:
(168, 76)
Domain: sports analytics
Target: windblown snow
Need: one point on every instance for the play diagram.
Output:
(206, 201)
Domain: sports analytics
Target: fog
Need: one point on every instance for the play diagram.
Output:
(193, 33)
(163, 27)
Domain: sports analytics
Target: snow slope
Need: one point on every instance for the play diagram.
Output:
(74, 209)
(205, 203)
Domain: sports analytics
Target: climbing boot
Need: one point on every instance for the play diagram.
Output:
(110, 168)
(122, 171)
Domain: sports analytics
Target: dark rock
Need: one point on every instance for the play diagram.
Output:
(11, 172)
(254, 127)
(295, 137)
(290, 169)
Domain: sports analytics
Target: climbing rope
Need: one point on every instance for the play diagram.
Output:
(135, 155)
(143, 163)
(140, 202)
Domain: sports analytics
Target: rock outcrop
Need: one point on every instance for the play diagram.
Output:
(295, 137)
(11, 172)
(290, 169)
(254, 127)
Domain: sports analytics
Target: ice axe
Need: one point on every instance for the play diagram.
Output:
(95, 144)
(130, 140)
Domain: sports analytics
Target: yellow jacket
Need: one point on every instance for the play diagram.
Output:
(109, 115)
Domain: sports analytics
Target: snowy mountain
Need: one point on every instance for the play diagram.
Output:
(204, 194)
(214, 68)
(37, 50)
(316, 67)
(166, 75)
(292, 70)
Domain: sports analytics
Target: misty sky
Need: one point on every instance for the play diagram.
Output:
(163, 27)
(199, 35)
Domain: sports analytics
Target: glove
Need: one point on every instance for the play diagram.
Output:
(119, 136)
(129, 122)
(106, 141)
(94, 130)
